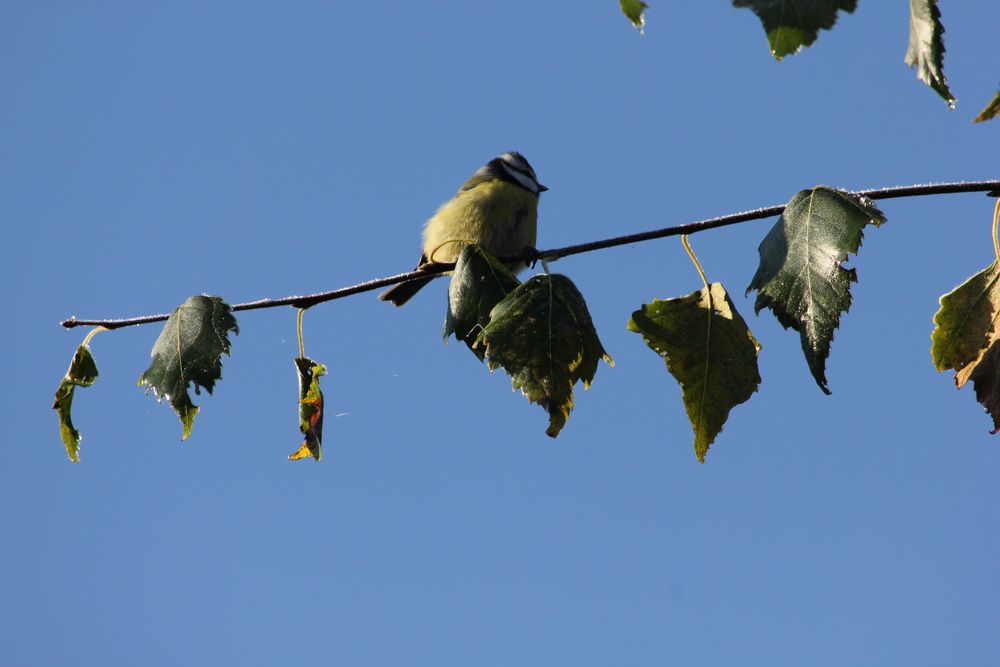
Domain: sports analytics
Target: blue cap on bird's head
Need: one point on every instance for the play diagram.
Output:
(512, 166)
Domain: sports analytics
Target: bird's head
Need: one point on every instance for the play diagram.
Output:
(513, 167)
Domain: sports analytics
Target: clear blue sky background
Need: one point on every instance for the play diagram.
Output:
(151, 151)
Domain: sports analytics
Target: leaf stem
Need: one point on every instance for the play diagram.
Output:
(694, 259)
(298, 327)
(464, 242)
(99, 329)
(305, 301)
(996, 216)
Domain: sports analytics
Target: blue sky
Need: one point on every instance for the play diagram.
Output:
(152, 151)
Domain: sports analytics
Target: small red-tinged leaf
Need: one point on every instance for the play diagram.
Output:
(310, 409)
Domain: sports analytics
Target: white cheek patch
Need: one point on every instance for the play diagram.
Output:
(527, 182)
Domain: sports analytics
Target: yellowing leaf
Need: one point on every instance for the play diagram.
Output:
(189, 350)
(310, 409)
(710, 352)
(966, 323)
(990, 111)
(966, 334)
(542, 335)
(82, 372)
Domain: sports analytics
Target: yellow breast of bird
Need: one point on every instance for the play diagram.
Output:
(499, 216)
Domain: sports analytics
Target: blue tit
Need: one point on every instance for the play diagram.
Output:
(497, 209)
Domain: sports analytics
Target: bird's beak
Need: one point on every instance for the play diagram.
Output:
(541, 188)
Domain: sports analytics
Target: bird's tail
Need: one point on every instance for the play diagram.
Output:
(401, 293)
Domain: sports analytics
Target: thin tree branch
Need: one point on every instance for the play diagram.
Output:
(308, 300)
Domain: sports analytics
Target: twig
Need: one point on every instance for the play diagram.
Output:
(309, 300)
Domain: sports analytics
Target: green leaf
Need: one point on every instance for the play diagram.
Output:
(542, 335)
(966, 323)
(634, 11)
(926, 49)
(189, 350)
(81, 373)
(801, 277)
(310, 409)
(709, 350)
(991, 110)
(478, 284)
(792, 24)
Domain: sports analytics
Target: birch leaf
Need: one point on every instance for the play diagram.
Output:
(478, 283)
(709, 350)
(543, 336)
(801, 277)
(189, 351)
(82, 372)
(926, 49)
(793, 24)
(635, 11)
(310, 409)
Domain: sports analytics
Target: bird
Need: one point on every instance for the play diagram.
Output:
(497, 209)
